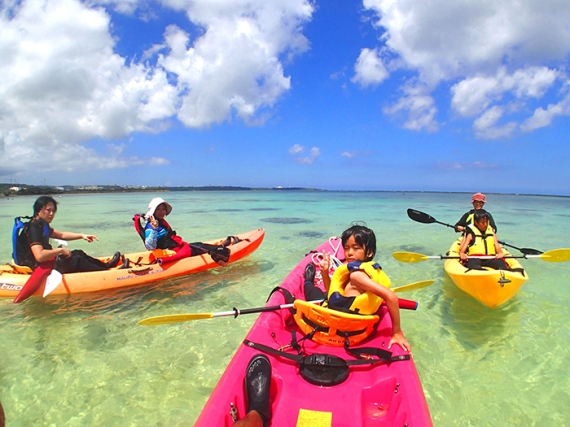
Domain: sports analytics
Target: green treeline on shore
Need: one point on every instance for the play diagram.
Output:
(27, 190)
(11, 190)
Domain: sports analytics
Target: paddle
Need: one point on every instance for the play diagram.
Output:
(413, 286)
(52, 282)
(34, 281)
(425, 218)
(175, 318)
(55, 277)
(555, 255)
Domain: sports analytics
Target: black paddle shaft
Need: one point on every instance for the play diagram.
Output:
(256, 310)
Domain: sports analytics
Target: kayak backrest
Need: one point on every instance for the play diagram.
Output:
(332, 327)
(139, 222)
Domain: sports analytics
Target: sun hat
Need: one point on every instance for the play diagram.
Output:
(154, 203)
(480, 197)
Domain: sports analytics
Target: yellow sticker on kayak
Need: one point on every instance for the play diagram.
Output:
(309, 418)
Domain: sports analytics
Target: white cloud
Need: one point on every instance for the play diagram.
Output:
(354, 154)
(63, 83)
(473, 95)
(543, 117)
(532, 82)
(369, 69)
(485, 96)
(486, 126)
(484, 50)
(297, 150)
(419, 108)
(234, 66)
(458, 166)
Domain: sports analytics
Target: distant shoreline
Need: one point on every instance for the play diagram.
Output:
(27, 190)
(12, 190)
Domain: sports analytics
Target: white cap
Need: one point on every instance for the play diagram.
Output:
(154, 203)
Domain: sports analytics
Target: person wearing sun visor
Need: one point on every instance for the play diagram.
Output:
(478, 200)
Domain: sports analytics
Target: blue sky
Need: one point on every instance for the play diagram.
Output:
(433, 95)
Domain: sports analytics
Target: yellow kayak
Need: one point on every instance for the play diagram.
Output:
(489, 286)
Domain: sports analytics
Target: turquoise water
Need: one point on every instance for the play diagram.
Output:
(82, 360)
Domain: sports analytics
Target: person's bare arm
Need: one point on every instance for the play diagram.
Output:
(42, 255)
(324, 266)
(68, 235)
(464, 245)
(364, 283)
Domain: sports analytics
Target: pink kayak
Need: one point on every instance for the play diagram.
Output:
(379, 394)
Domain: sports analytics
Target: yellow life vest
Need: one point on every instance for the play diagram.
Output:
(333, 327)
(482, 243)
(367, 302)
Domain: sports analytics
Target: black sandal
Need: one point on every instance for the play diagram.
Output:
(112, 263)
(220, 254)
(126, 263)
(231, 240)
(257, 387)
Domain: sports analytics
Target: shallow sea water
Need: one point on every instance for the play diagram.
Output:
(82, 360)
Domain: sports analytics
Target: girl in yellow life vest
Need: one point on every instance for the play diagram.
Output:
(356, 288)
(480, 239)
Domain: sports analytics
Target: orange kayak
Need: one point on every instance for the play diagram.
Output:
(143, 269)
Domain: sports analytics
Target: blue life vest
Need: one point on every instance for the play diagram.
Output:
(21, 252)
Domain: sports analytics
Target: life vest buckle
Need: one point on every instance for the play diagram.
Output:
(285, 347)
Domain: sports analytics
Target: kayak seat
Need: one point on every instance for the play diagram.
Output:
(21, 269)
(332, 327)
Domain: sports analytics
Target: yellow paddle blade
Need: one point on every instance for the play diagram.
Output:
(409, 257)
(174, 318)
(556, 255)
(413, 286)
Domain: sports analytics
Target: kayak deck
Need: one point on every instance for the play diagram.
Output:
(489, 286)
(143, 270)
(380, 394)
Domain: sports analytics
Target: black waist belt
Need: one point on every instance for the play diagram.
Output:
(325, 329)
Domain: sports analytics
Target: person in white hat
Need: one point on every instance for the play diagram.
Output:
(157, 228)
(158, 234)
(478, 200)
